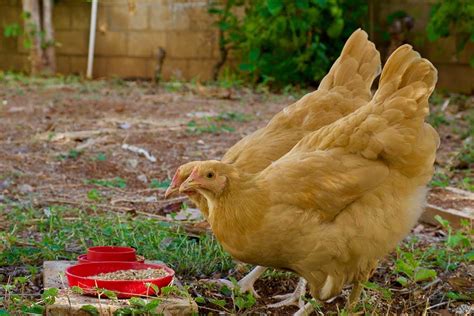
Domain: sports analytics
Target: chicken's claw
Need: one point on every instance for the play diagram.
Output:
(295, 298)
(246, 283)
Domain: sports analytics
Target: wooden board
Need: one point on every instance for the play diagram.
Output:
(68, 303)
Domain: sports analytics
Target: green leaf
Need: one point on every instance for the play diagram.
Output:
(247, 67)
(34, 309)
(200, 300)
(469, 256)
(136, 301)
(110, 294)
(90, 309)
(94, 195)
(322, 3)
(254, 54)
(302, 4)
(101, 157)
(220, 303)
(4, 313)
(402, 280)
(77, 290)
(274, 6)
(335, 29)
(157, 184)
(424, 274)
(152, 305)
(49, 295)
(443, 222)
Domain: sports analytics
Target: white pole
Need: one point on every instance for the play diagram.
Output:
(90, 56)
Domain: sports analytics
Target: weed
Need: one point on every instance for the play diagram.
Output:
(72, 154)
(440, 180)
(157, 184)
(116, 182)
(197, 129)
(233, 116)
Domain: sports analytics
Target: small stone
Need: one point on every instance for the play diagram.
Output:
(151, 199)
(201, 142)
(26, 188)
(125, 125)
(132, 163)
(142, 178)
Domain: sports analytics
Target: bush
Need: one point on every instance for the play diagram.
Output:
(286, 42)
(454, 17)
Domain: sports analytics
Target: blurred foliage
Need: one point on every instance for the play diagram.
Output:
(281, 42)
(449, 18)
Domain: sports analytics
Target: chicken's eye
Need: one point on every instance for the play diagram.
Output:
(210, 175)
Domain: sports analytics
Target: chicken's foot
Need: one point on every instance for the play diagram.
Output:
(246, 283)
(305, 310)
(295, 298)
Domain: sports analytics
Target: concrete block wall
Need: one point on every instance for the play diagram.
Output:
(127, 38)
(454, 71)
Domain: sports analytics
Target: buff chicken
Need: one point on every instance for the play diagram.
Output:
(342, 197)
(344, 89)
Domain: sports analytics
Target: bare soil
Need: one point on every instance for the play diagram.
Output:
(55, 138)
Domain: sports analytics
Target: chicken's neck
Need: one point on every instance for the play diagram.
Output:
(238, 210)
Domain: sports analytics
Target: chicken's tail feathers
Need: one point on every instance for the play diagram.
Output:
(406, 74)
(394, 128)
(391, 127)
(356, 68)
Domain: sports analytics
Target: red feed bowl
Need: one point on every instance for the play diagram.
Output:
(78, 275)
(83, 259)
(111, 253)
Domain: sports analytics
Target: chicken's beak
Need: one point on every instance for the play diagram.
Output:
(172, 189)
(190, 183)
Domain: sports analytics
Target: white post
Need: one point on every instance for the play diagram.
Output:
(90, 56)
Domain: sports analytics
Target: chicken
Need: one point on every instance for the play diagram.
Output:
(345, 88)
(343, 197)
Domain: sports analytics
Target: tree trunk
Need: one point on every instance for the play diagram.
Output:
(32, 22)
(49, 49)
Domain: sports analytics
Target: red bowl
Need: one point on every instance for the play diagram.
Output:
(83, 259)
(111, 253)
(78, 275)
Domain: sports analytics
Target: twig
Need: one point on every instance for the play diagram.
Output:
(436, 281)
(139, 151)
(78, 135)
(438, 305)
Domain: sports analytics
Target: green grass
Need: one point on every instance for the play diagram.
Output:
(54, 235)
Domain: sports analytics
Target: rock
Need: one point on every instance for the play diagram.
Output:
(143, 178)
(132, 163)
(125, 125)
(25, 188)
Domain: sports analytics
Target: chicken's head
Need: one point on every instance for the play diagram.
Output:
(206, 177)
(182, 173)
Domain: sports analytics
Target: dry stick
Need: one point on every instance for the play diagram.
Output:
(114, 208)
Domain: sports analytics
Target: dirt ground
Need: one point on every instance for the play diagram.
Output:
(45, 127)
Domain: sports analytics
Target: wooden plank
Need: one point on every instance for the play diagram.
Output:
(453, 216)
(68, 303)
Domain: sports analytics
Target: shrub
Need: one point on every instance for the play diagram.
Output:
(287, 42)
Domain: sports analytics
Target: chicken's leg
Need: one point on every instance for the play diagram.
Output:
(247, 282)
(354, 296)
(295, 298)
